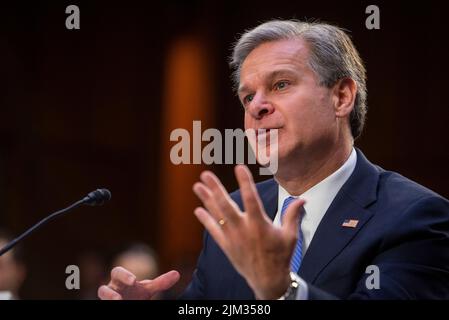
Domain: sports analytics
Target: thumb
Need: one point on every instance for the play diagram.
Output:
(163, 282)
(291, 218)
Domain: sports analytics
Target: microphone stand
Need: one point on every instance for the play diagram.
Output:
(96, 197)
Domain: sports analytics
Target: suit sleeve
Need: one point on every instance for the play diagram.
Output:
(196, 288)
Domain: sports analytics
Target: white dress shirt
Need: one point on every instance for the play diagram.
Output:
(318, 199)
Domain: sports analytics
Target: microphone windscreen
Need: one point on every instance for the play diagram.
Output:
(106, 194)
(97, 197)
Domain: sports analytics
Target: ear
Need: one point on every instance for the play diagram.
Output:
(344, 97)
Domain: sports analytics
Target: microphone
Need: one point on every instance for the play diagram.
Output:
(97, 197)
(94, 198)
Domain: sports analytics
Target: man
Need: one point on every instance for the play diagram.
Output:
(329, 215)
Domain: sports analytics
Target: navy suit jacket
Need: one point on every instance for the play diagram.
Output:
(403, 229)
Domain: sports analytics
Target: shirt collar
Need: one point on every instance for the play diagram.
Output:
(320, 196)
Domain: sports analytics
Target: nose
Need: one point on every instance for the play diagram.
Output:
(260, 107)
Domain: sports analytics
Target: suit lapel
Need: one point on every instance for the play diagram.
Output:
(331, 237)
(350, 203)
(269, 195)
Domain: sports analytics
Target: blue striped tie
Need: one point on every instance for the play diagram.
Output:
(297, 255)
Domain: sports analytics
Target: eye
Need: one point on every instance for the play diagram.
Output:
(248, 99)
(280, 85)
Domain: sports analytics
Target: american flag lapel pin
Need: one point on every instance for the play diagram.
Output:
(350, 223)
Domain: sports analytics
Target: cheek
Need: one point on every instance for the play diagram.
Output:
(318, 110)
(312, 114)
(247, 121)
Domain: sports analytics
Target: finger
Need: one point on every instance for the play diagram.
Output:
(205, 195)
(220, 196)
(250, 197)
(106, 293)
(163, 282)
(121, 278)
(291, 217)
(211, 225)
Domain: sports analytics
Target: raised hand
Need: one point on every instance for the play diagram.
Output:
(260, 251)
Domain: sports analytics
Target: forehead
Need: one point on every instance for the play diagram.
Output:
(271, 56)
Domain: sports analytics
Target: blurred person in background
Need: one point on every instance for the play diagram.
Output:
(93, 272)
(12, 269)
(140, 259)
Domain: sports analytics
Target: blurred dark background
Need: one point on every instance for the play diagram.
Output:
(88, 108)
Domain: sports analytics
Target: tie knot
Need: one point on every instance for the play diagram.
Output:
(286, 203)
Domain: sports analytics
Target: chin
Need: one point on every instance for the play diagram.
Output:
(267, 155)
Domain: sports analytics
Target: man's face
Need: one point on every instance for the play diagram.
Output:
(280, 91)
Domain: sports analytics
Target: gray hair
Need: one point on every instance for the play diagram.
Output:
(333, 56)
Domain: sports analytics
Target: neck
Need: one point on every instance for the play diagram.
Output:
(307, 170)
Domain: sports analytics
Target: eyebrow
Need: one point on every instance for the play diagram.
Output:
(272, 75)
